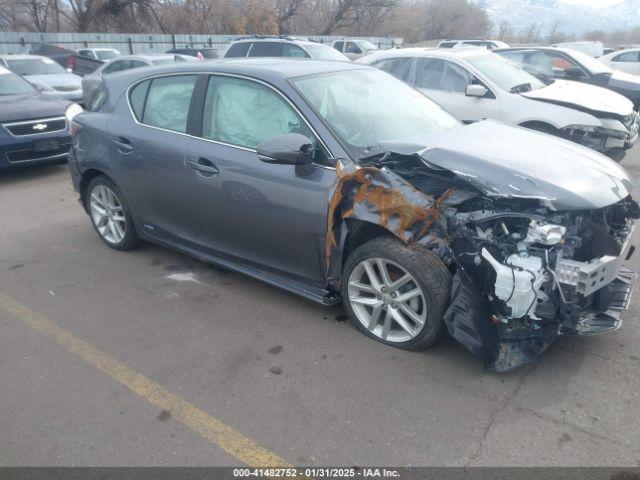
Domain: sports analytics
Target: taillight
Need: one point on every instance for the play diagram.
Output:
(200, 56)
(71, 64)
(74, 129)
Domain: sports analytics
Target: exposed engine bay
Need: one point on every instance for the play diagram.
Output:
(539, 273)
(524, 271)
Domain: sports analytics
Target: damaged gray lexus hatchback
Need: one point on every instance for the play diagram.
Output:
(340, 182)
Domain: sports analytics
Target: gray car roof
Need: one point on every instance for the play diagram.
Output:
(261, 68)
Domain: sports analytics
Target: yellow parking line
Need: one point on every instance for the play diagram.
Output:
(231, 441)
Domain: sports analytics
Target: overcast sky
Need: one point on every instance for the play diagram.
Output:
(594, 3)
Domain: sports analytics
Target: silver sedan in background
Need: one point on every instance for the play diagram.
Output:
(91, 81)
(47, 75)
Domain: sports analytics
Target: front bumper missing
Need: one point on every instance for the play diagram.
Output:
(619, 293)
(589, 277)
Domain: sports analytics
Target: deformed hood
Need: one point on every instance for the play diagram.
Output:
(584, 97)
(514, 162)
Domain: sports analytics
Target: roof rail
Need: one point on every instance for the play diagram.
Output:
(260, 37)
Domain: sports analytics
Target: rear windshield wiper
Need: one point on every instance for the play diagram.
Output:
(523, 87)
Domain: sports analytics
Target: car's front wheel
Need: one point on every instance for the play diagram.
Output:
(110, 214)
(396, 294)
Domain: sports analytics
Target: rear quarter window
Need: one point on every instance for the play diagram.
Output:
(98, 100)
(137, 98)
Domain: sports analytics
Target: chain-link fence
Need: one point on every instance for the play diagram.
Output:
(18, 42)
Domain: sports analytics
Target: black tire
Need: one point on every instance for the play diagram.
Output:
(130, 239)
(429, 272)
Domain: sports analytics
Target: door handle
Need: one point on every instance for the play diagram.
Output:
(123, 145)
(205, 167)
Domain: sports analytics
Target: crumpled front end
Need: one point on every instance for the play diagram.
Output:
(613, 137)
(527, 275)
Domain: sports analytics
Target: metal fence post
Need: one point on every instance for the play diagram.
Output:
(173, 40)
(130, 46)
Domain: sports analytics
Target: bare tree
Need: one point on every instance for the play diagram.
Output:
(505, 31)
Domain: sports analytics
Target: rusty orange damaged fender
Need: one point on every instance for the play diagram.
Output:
(382, 197)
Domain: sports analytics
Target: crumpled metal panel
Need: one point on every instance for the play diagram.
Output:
(380, 196)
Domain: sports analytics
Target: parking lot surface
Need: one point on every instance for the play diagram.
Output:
(149, 357)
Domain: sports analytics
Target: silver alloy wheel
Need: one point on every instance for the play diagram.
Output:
(107, 214)
(387, 300)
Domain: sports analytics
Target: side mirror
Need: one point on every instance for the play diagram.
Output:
(475, 90)
(287, 149)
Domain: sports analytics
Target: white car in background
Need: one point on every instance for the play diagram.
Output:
(627, 60)
(47, 75)
(355, 48)
(92, 81)
(479, 43)
(476, 84)
(104, 54)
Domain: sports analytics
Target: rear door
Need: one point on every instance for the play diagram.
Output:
(446, 83)
(265, 49)
(260, 214)
(149, 151)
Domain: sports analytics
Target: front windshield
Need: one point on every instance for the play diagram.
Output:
(11, 84)
(364, 107)
(505, 74)
(107, 54)
(594, 65)
(322, 52)
(35, 66)
(366, 45)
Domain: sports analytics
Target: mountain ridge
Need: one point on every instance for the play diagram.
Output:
(521, 15)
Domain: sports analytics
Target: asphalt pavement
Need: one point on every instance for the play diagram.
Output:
(152, 358)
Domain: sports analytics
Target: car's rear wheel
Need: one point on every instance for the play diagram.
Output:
(110, 214)
(396, 294)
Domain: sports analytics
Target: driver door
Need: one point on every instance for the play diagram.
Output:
(263, 215)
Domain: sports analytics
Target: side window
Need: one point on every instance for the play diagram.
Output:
(137, 97)
(398, 67)
(290, 50)
(456, 79)
(626, 57)
(266, 49)
(87, 53)
(338, 46)
(351, 47)
(238, 50)
(429, 73)
(136, 64)
(561, 66)
(167, 104)
(245, 113)
(447, 45)
(116, 66)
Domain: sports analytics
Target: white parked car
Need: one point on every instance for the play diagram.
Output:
(46, 74)
(594, 49)
(477, 84)
(91, 82)
(355, 48)
(104, 54)
(488, 44)
(626, 60)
